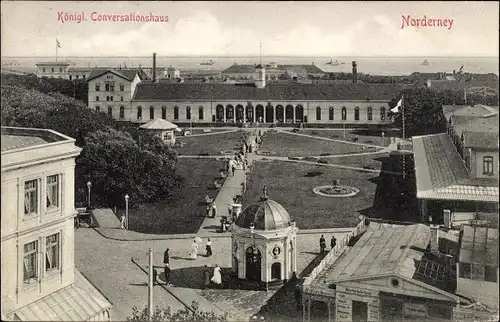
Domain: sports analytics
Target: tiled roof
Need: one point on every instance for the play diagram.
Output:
(444, 84)
(302, 69)
(10, 142)
(477, 110)
(79, 301)
(213, 91)
(384, 250)
(441, 174)
(159, 124)
(239, 69)
(128, 74)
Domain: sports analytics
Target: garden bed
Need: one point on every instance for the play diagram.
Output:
(210, 144)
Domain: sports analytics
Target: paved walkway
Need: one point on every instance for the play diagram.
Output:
(106, 218)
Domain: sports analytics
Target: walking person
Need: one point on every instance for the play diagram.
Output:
(206, 277)
(333, 242)
(233, 168)
(322, 244)
(217, 278)
(167, 274)
(155, 277)
(298, 296)
(208, 210)
(122, 222)
(194, 250)
(208, 248)
(214, 210)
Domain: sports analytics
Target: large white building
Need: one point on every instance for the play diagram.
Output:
(39, 279)
(52, 70)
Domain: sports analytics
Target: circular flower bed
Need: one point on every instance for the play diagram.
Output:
(336, 191)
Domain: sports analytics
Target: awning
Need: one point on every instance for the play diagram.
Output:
(80, 301)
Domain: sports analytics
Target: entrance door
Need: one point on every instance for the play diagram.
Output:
(359, 311)
(253, 262)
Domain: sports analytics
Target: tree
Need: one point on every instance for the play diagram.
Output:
(188, 314)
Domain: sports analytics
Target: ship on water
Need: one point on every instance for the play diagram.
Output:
(334, 63)
(207, 63)
(425, 63)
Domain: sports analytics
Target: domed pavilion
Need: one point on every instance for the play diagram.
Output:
(264, 243)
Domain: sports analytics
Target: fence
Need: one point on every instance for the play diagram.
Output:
(332, 254)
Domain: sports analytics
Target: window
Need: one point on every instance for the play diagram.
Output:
(369, 113)
(97, 109)
(465, 270)
(188, 113)
(52, 252)
(164, 112)
(107, 98)
(52, 69)
(110, 111)
(344, 113)
(121, 98)
(60, 70)
(122, 87)
(30, 262)
(176, 112)
(122, 112)
(318, 113)
(488, 165)
(70, 77)
(200, 112)
(106, 87)
(97, 87)
(382, 113)
(53, 191)
(43, 70)
(111, 98)
(77, 76)
(111, 87)
(83, 76)
(330, 113)
(356, 113)
(490, 273)
(97, 98)
(151, 112)
(139, 113)
(31, 197)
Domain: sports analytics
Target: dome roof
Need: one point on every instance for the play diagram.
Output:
(266, 214)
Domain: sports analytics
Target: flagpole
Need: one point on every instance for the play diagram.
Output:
(56, 49)
(403, 111)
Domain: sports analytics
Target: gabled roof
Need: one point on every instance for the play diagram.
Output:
(159, 124)
(128, 74)
(441, 174)
(146, 91)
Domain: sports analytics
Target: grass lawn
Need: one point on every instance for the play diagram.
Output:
(282, 144)
(350, 136)
(292, 185)
(374, 161)
(210, 144)
(195, 130)
(183, 213)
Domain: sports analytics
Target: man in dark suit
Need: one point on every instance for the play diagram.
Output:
(167, 274)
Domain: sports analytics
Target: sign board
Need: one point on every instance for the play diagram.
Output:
(415, 310)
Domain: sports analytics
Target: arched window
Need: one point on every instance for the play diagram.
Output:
(330, 113)
(356, 113)
(164, 112)
(139, 113)
(110, 111)
(369, 113)
(382, 113)
(97, 109)
(344, 113)
(200, 112)
(151, 112)
(176, 112)
(122, 112)
(318, 113)
(188, 113)
(122, 87)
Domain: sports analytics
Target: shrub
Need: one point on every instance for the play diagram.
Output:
(323, 161)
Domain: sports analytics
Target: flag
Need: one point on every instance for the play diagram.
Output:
(58, 44)
(396, 109)
(460, 71)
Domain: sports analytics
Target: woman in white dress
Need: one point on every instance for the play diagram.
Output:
(217, 278)
(194, 250)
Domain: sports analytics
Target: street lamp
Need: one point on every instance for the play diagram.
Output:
(126, 210)
(383, 138)
(89, 185)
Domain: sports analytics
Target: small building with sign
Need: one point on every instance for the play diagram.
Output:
(393, 272)
(162, 128)
(264, 244)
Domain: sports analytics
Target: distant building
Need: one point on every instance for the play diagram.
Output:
(163, 129)
(172, 73)
(273, 70)
(39, 278)
(52, 70)
(458, 170)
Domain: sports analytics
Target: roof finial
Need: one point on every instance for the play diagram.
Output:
(261, 52)
(264, 194)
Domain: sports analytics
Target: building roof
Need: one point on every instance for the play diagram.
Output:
(444, 84)
(146, 91)
(479, 245)
(18, 138)
(80, 301)
(266, 214)
(441, 174)
(81, 69)
(128, 74)
(159, 124)
(296, 69)
(52, 64)
(302, 69)
(478, 110)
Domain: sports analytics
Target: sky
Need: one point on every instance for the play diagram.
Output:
(215, 28)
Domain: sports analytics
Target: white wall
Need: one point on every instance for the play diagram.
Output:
(127, 93)
(477, 163)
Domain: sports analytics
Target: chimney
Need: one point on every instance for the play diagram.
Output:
(447, 214)
(354, 72)
(154, 67)
(434, 239)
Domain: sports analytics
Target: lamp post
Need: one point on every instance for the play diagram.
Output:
(383, 138)
(126, 210)
(89, 185)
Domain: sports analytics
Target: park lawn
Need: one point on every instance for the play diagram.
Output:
(350, 136)
(210, 144)
(184, 212)
(197, 131)
(290, 185)
(372, 161)
(283, 144)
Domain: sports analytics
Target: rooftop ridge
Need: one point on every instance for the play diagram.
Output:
(407, 248)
